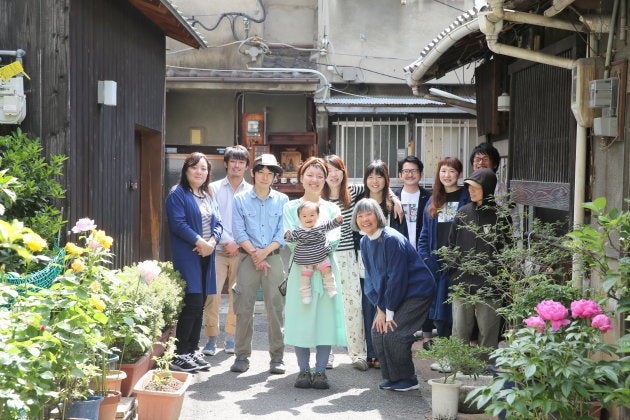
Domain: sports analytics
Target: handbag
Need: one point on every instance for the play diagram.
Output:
(283, 286)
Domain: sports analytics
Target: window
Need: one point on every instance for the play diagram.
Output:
(360, 140)
(438, 138)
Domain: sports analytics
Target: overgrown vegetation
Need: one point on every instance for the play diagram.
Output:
(35, 188)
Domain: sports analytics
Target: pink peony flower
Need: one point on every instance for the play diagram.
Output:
(149, 270)
(552, 310)
(556, 324)
(585, 308)
(602, 322)
(536, 322)
(84, 225)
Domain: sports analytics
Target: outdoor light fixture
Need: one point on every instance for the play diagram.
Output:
(503, 102)
(107, 92)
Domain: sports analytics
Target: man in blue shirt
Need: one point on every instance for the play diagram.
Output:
(257, 228)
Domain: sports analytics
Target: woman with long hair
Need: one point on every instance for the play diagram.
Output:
(446, 199)
(345, 196)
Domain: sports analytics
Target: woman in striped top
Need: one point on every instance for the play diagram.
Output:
(345, 196)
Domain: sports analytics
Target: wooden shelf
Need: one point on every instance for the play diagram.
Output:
(291, 149)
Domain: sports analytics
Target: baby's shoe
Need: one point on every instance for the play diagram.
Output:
(306, 300)
(332, 293)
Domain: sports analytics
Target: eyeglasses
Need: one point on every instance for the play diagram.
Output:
(410, 171)
(480, 159)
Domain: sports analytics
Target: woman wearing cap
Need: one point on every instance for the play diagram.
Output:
(401, 287)
(195, 229)
(469, 233)
(319, 324)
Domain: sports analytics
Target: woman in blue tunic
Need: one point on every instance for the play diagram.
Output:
(195, 229)
(319, 324)
(439, 213)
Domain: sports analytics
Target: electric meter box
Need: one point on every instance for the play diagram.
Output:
(603, 93)
(12, 101)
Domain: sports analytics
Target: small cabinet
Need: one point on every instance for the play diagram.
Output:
(291, 149)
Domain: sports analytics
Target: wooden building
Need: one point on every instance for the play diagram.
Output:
(115, 168)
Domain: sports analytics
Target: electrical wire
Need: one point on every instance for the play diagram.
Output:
(195, 21)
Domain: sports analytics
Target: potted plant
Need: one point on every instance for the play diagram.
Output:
(159, 294)
(160, 392)
(453, 356)
(558, 364)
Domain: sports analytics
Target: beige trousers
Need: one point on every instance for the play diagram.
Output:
(226, 270)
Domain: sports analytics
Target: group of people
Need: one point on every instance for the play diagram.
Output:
(362, 273)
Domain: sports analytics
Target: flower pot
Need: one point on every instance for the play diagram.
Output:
(114, 379)
(470, 383)
(109, 406)
(160, 405)
(87, 409)
(134, 372)
(444, 399)
(158, 349)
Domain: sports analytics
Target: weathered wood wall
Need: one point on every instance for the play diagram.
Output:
(543, 130)
(70, 46)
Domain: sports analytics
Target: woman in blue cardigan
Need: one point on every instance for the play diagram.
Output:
(195, 229)
(438, 216)
(401, 287)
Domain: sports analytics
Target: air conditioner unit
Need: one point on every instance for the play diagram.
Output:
(12, 101)
(584, 70)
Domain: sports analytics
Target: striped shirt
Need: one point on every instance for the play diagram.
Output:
(347, 238)
(312, 246)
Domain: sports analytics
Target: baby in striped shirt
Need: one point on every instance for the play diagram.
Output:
(312, 248)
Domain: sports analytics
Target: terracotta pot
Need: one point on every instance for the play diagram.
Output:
(109, 406)
(134, 372)
(114, 379)
(158, 349)
(160, 405)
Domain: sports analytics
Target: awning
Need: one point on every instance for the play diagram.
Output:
(383, 105)
(463, 42)
(184, 78)
(166, 16)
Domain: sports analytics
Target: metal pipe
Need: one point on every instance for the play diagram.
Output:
(579, 195)
(291, 70)
(18, 54)
(535, 56)
(623, 21)
(540, 20)
(611, 36)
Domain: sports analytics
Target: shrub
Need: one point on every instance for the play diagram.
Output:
(36, 189)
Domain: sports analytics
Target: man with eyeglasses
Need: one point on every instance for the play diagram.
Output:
(484, 155)
(413, 198)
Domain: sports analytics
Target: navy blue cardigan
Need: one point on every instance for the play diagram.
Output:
(184, 222)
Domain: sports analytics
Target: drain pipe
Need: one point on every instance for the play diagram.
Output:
(611, 36)
(491, 24)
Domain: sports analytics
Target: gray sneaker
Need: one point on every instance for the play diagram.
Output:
(276, 367)
(360, 364)
(320, 381)
(303, 380)
(241, 364)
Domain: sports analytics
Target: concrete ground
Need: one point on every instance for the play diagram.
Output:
(220, 393)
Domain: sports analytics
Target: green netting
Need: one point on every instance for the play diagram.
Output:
(42, 278)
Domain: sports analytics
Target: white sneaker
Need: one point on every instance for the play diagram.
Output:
(331, 360)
